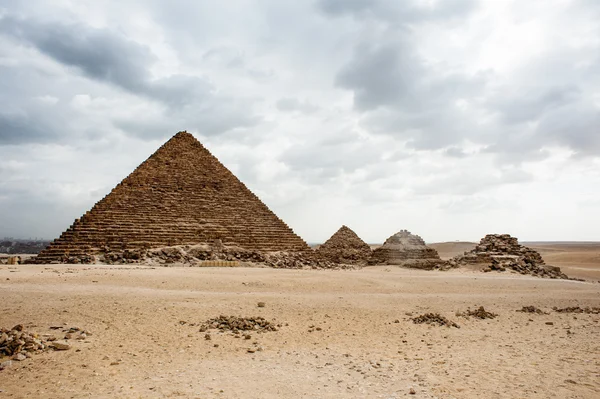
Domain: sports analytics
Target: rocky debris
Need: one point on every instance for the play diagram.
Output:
(531, 309)
(6, 364)
(19, 344)
(60, 346)
(479, 313)
(408, 250)
(577, 309)
(345, 247)
(434, 319)
(261, 304)
(197, 255)
(237, 324)
(501, 252)
(159, 205)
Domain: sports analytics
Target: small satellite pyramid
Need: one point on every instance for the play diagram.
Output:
(181, 195)
(345, 247)
(406, 249)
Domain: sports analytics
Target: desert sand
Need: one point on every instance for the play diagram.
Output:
(343, 334)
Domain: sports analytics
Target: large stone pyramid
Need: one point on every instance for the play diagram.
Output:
(406, 249)
(180, 195)
(345, 247)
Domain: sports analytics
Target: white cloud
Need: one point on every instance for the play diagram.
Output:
(450, 118)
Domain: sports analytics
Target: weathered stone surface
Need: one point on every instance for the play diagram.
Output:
(345, 247)
(501, 252)
(406, 249)
(61, 346)
(204, 255)
(181, 195)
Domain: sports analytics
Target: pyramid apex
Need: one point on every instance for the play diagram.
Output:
(183, 134)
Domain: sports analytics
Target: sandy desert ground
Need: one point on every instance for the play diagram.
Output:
(344, 334)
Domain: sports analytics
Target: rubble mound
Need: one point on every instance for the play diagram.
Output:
(531, 309)
(181, 195)
(434, 319)
(345, 247)
(479, 313)
(210, 255)
(577, 309)
(18, 344)
(235, 324)
(501, 252)
(408, 250)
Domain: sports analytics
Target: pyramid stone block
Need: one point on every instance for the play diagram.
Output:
(180, 195)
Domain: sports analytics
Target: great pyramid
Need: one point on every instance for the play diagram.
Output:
(406, 249)
(345, 247)
(180, 195)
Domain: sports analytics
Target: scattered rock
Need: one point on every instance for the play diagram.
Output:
(261, 304)
(480, 313)
(577, 309)
(18, 343)
(531, 309)
(412, 391)
(61, 346)
(6, 364)
(549, 323)
(434, 318)
(236, 324)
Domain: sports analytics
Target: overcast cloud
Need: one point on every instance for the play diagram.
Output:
(452, 118)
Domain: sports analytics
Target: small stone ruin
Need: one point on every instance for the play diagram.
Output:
(345, 247)
(408, 250)
(501, 252)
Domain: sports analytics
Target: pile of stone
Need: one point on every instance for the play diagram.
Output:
(531, 309)
(18, 344)
(577, 309)
(479, 313)
(434, 319)
(501, 252)
(237, 324)
(194, 255)
(408, 250)
(345, 247)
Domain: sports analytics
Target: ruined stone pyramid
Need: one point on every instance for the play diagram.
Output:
(501, 252)
(406, 249)
(180, 195)
(345, 247)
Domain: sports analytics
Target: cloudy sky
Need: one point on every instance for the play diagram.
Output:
(450, 118)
